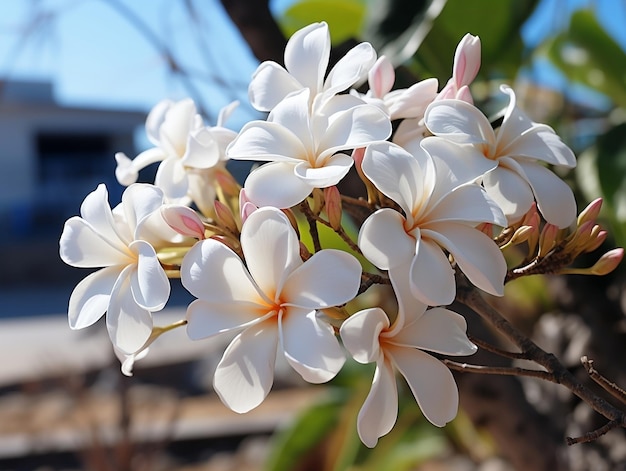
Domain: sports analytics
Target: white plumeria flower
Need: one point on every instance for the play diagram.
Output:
(272, 302)
(303, 147)
(306, 60)
(404, 103)
(511, 157)
(439, 214)
(369, 337)
(132, 283)
(187, 149)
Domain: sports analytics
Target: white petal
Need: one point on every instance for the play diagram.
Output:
(171, 177)
(437, 330)
(214, 273)
(409, 307)
(468, 203)
(356, 127)
(139, 201)
(412, 102)
(149, 283)
(206, 318)
(202, 150)
(293, 114)
(541, 143)
(307, 53)
(269, 85)
(397, 174)
(95, 209)
(310, 345)
(459, 122)
(334, 169)
(155, 119)
(245, 374)
(329, 278)
(555, 199)
(81, 245)
(176, 126)
(276, 184)
(384, 241)
(359, 333)
(476, 253)
(129, 325)
(431, 383)
(90, 298)
(265, 141)
(271, 249)
(432, 277)
(509, 190)
(456, 163)
(350, 69)
(380, 410)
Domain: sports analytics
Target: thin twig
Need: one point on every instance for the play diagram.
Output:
(369, 279)
(498, 370)
(609, 386)
(498, 351)
(310, 217)
(594, 434)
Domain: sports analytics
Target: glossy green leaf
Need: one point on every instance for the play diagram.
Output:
(344, 17)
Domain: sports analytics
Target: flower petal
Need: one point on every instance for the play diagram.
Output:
(139, 201)
(90, 298)
(82, 246)
(476, 253)
(266, 141)
(329, 278)
(384, 241)
(213, 272)
(206, 318)
(459, 122)
(245, 374)
(307, 54)
(95, 209)
(276, 184)
(509, 190)
(177, 123)
(555, 199)
(269, 85)
(310, 345)
(350, 69)
(149, 283)
(431, 383)
(335, 168)
(271, 249)
(359, 333)
(171, 177)
(437, 330)
(379, 412)
(469, 204)
(202, 150)
(129, 324)
(432, 277)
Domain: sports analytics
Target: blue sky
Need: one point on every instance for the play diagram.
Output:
(96, 57)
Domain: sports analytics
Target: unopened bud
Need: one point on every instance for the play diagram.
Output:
(227, 182)
(381, 77)
(466, 60)
(183, 220)
(599, 240)
(332, 197)
(547, 239)
(608, 262)
(292, 220)
(590, 213)
(522, 234)
(225, 217)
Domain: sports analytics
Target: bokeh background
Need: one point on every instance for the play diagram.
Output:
(77, 79)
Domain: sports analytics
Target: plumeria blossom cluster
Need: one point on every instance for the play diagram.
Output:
(447, 192)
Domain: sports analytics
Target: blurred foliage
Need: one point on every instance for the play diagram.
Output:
(344, 17)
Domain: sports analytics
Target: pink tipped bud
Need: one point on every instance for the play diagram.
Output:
(547, 239)
(531, 218)
(599, 240)
(225, 217)
(608, 262)
(466, 60)
(381, 77)
(332, 199)
(227, 182)
(246, 207)
(464, 94)
(183, 220)
(591, 212)
(357, 156)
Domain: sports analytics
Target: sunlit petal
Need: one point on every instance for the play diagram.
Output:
(459, 122)
(384, 241)
(351, 68)
(307, 54)
(276, 184)
(359, 334)
(266, 141)
(335, 168)
(510, 191)
(207, 318)
(90, 298)
(149, 283)
(432, 277)
(245, 374)
(269, 85)
(310, 345)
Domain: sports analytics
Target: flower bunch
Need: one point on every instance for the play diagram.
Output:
(445, 193)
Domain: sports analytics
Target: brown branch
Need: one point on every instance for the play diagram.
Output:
(312, 220)
(472, 298)
(594, 434)
(498, 351)
(498, 370)
(609, 386)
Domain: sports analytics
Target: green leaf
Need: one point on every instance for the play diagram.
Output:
(588, 55)
(344, 17)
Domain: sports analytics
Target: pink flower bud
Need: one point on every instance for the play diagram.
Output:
(466, 60)
(591, 212)
(465, 95)
(608, 262)
(381, 77)
(225, 217)
(246, 207)
(183, 220)
(332, 199)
